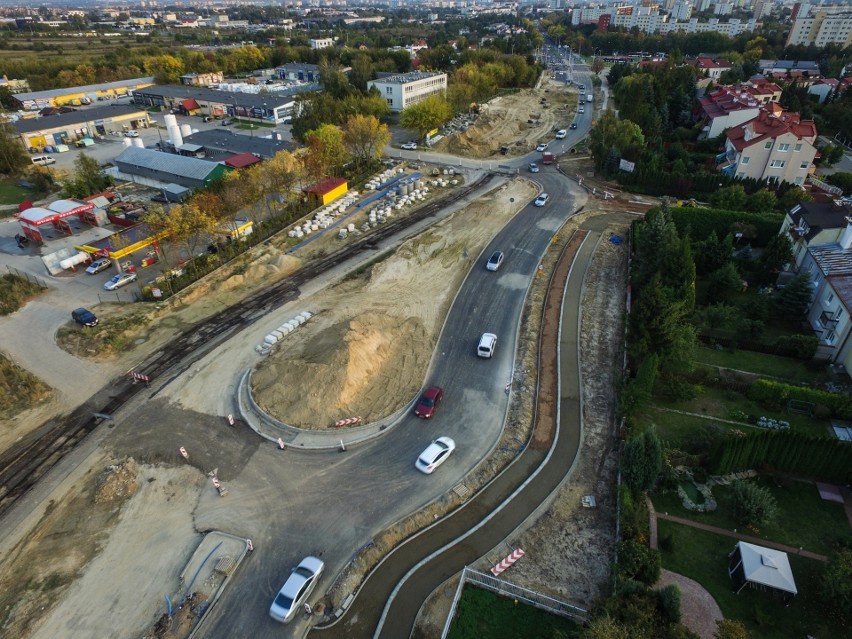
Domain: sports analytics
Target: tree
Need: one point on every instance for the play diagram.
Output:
(792, 301)
(610, 131)
(426, 115)
(777, 253)
(732, 198)
(13, 156)
(362, 72)
(166, 69)
(837, 582)
(793, 197)
(712, 254)
(638, 561)
(189, 225)
(88, 178)
(642, 461)
(754, 504)
(669, 597)
(762, 201)
(597, 65)
(365, 137)
(724, 283)
(605, 627)
(730, 629)
(326, 151)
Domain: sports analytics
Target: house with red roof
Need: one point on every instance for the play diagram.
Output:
(709, 66)
(823, 87)
(730, 105)
(776, 146)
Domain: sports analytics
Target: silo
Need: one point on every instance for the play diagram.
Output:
(174, 135)
(185, 130)
(170, 120)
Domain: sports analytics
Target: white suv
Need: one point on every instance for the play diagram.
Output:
(561, 133)
(486, 345)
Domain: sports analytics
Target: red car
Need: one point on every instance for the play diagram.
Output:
(429, 401)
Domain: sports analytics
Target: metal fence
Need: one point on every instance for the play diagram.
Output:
(34, 279)
(512, 591)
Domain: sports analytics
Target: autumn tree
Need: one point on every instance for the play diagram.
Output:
(189, 226)
(166, 69)
(13, 156)
(610, 132)
(365, 137)
(326, 152)
(597, 65)
(279, 174)
(426, 115)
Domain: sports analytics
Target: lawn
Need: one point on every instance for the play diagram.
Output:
(734, 406)
(804, 520)
(11, 193)
(703, 556)
(677, 431)
(785, 368)
(485, 615)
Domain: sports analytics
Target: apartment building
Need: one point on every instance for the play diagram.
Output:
(776, 146)
(321, 43)
(404, 89)
(821, 26)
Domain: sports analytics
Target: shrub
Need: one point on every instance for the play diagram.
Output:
(800, 346)
(730, 629)
(667, 543)
(676, 389)
(837, 582)
(753, 504)
(642, 461)
(637, 561)
(776, 395)
(669, 600)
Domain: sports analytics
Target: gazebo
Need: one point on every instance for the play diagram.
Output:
(761, 567)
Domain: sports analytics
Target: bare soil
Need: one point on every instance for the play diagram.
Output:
(505, 120)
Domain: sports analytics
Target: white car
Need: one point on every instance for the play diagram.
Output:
(541, 147)
(296, 589)
(98, 265)
(132, 134)
(561, 133)
(541, 200)
(581, 110)
(495, 261)
(409, 146)
(117, 281)
(435, 455)
(486, 346)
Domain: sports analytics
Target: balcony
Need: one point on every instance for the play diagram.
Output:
(828, 320)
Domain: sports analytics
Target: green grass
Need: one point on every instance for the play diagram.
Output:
(11, 193)
(15, 292)
(786, 368)
(703, 556)
(804, 520)
(485, 615)
(726, 404)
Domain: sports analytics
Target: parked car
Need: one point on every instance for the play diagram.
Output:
(429, 401)
(486, 346)
(541, 200)
(98, 265)
(581, 110)
(296, 589)
(561, 133)
(435, 455)
(495, 261)
(208, 118)
(409, 146)
(131, 134)
(117, 281)
(541, 147)
(533, 167)
(84, 316)
(573, 126)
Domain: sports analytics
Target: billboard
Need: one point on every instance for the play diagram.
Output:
(624, 165)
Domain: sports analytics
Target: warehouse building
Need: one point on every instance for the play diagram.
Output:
(220, 143)
(76, 96)
(67, 128)
(158, 169)
(404, 89)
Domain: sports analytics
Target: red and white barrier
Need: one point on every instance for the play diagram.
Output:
(215, 483)
(184, 453)
(507, 562)
(280, 443)
(231, 420)
(347, 422)
(136, 376)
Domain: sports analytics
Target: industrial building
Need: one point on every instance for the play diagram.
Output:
(220, 143)
(159, 169)
(401, 90)
(76, 96)
(67, 128)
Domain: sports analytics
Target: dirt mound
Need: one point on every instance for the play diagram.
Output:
(117, 482)
(357, 367)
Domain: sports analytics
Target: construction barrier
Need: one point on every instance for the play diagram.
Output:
(507, 562)
(347, 422)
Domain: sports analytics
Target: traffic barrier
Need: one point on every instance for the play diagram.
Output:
(507, 562)
(215, 483)
(184, 453)
(348, 421)
(231, 420)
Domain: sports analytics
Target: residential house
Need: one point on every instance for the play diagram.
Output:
(726, 107)
(776, 146)
(823, 88)
(711, 67)
(811, 224)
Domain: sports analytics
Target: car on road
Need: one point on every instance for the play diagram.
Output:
(533, 167)
(117, 281)
(131, 134)
(541, 200)
(409, 146)
(581, 102)
(573, 126)
(541, 147)
(98, 265)
(84, 316)
(486, 346)
(435, 455)
(227, 122)
(296, 589)
(561, 133)
(495, 261)
(429, 401)
(581, 110)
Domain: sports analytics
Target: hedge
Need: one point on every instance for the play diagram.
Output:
(801, 347)
(789, 451)
(777, 395)
(701, 222)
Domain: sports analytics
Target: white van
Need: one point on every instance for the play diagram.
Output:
(43, 160)
(486, 345)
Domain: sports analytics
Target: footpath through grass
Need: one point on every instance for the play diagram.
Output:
(772, 366)
(703, 556)
(485, 615)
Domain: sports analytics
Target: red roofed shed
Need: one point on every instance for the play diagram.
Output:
(328, 190)
(241, 160)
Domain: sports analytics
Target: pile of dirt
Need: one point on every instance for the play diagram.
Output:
(365, 352)
(181, 623)
(117, 482)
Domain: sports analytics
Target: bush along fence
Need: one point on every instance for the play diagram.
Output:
(778, 395)
(700, 222)
(789, 451)
(801, 347)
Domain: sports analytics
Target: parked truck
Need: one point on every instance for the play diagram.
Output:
(547, 158)
(589, 97)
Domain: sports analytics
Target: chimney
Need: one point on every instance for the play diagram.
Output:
(846, 238)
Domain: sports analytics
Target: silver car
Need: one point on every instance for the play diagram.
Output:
(295, 591)
(98, 265)
(117, 281)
